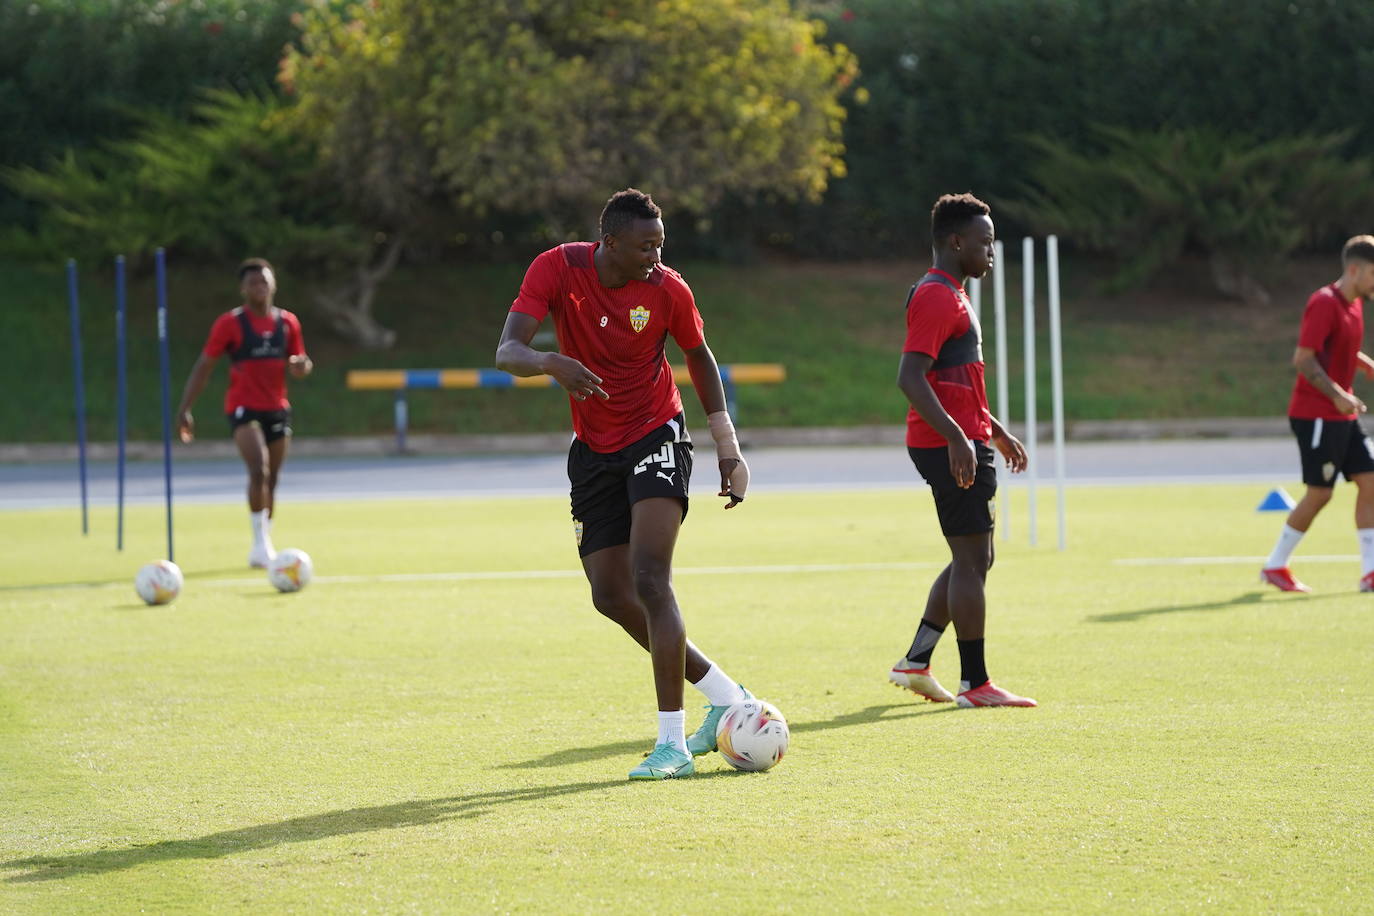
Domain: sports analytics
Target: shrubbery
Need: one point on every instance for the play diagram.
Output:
(72, 72)
(957, 88)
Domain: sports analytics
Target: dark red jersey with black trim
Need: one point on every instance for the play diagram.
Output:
(940, 323)
(620, 334)
(257, 347)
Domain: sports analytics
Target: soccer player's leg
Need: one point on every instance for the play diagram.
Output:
(277, 435)
(252, 447)
(966, 520)
(1316, 439)
(1359, 469)
(912, 670)
(653, 535)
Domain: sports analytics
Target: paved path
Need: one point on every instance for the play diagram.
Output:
(1266, 461)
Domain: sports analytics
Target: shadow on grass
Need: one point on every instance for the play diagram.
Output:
(301, 830)
(571, 755)
(1238, 601)
(101, 583)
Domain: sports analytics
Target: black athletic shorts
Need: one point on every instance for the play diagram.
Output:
(276, 424)
(1331, 447)
(604, 486)
(961, 511)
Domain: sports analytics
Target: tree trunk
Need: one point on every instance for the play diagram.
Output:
(1234, 278)
(348, 307)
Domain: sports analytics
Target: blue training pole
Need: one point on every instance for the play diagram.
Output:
(80, 380)
(166, 363)
(121, 398)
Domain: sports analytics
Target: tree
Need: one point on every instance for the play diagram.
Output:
(1150, 196)
(225, 181)
(435, 110)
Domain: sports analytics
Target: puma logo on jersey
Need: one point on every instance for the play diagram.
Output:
(668, 477)
(577, 303)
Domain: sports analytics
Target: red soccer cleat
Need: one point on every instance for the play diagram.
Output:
(1281, 577)
(919, 681)
(1367, 582)
(989, 694)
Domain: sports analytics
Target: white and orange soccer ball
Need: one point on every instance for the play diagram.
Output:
(752, 735)
(290, 570)
(159, 582)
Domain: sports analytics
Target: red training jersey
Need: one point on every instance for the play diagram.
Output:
(1333, 326)
(619, 334)
(257, 363)
(940, 323)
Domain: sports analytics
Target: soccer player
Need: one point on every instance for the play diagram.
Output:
(949, 428)
(614, 304)
(1324, 413)
(263, 343)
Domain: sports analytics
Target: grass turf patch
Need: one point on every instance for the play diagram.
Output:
(440, 722)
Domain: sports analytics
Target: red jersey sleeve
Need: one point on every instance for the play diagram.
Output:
(225, 336)
(1318, 321)
(932, 317)
(685, 322)
(539, 290)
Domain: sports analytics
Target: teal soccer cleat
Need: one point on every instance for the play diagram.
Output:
(666, 762)
(703, 740)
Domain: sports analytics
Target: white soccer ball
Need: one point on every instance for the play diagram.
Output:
(159, 582)
(752, 735)
(290, 570)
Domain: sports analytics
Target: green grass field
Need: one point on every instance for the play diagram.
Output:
(395, 740)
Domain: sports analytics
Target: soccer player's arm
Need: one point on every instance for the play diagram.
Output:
(216, 344)
(686, 328)
(514, 353)
(298, 362)
(1010, 446)
(927, 328)
(1365, 364)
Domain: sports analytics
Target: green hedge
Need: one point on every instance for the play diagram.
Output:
(71, 70)
(956, 87)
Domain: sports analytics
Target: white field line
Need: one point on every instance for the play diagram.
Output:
(1227, 561)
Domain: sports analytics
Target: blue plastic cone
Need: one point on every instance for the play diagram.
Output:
(1278, 500)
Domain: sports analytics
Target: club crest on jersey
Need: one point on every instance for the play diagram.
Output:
(639, 318)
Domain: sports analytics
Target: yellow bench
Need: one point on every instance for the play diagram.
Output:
(401, 380)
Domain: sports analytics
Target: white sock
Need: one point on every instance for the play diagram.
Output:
(672, 728)
(260, 525)
(1288, 540)
(1366, 536)
(719, 689)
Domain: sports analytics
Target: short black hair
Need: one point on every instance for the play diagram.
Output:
(952, 212)
(624, 208)
(254, 264)
(1360, 248)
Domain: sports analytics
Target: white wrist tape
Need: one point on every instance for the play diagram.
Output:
(727, 446)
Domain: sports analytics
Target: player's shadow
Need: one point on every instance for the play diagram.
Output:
(1239, 601)
(572, 755)
(298, 830)
(101, 583)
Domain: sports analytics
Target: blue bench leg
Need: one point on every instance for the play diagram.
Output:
(402, 416)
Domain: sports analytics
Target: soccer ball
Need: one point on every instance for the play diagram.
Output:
(290, 570)
(159, 582)
(752, 735)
